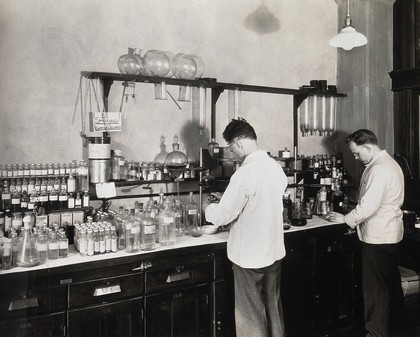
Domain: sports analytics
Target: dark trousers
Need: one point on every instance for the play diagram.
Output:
(382, 292)
(258, 308)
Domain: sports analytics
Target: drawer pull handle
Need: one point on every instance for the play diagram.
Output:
(107, 290)
(175, 277)
(23, 304)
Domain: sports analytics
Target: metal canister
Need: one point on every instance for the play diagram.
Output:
(99, 148)
(99, 170)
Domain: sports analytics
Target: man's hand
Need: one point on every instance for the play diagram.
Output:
(215, 197)
(335, 217)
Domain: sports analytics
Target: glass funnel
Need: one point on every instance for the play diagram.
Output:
(176, 161)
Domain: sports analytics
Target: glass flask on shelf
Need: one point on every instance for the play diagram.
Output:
(158, 63)
(27, 255)
(213, 148)
(187, 66)
(121, 60)
(176, 161)
(134, 64)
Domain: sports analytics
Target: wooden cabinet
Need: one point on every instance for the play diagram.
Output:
(320, 275)
(183, 292)
(31, 306)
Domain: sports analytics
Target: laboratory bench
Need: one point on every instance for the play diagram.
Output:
(182, 290)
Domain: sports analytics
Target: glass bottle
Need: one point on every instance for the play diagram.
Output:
(27, 255)
(82, 174)
(53, 247)
(166, 219)
(6, 197)
(121, 60)
(42, 247)
(53, 200)
(71, 183)
(213, 148)
(85, 199)
(63, 199)
(78, 201)
(63, 244)
(15, 204)
(96, 247)
(43, 201)
(24, 201)
(148, 229)
(287, 206)
(15, 242)
(90, 242)
(6, 256)
(321, 202)
(178, 209)
(132, 234)
(82, 241)
(191, 212)
(114, 245)
(70, 200)
(102, 241)
(117, 161)
(107, 240)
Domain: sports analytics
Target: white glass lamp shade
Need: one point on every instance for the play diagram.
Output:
(348, 38)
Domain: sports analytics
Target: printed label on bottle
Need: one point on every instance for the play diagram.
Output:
(16, 224)
(41, 247)
(192, 211)
(15, 201)
(149, 229)
(53, 245)
(64, 244)
(24, 204)
(168, 220)
(53, 197)
(6, 196)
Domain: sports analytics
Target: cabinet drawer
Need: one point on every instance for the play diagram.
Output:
(47, 325)
(29, 296)
(104, 290)
(180, 275)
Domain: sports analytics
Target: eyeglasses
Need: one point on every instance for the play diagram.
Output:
(234, 141)
(357, 154)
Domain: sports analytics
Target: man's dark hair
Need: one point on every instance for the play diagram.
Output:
(361, 137)
(238, 128)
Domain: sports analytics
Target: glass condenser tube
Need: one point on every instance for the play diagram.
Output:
(304, 117)
(313, 114)
(323, 123)
(331, 114)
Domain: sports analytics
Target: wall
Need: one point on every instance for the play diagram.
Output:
(45, 44)
(363, 74)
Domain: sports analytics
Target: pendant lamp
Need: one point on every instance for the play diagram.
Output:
(348, 38)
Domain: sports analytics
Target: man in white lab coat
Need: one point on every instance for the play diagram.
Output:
(253, 204)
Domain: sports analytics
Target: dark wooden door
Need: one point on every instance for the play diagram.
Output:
(118, 319)
(179, 313)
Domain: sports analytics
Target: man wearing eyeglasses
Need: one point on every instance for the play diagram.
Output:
(378, 220)
(253, 204)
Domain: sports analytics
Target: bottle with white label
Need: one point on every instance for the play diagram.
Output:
(117, 162)
(191, 212)
(213, 148)
(166, 219)
(148, 228)
(132, 233)
(53, 247)
(90, 242)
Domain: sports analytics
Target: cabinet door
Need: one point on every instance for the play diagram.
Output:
(40, 326)
(297, 295)
(182, 313)
(224, 317)
(119, 319)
